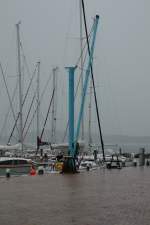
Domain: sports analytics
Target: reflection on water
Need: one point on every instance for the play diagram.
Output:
(100, 197)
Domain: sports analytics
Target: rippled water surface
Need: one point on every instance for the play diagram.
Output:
(100, 197)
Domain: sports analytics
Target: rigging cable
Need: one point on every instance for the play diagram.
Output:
(10, 102)
(25, 60)
(47, 114)
(46, 117)
(29, 112)
(7, 114)
(22, 105)
(37, 106)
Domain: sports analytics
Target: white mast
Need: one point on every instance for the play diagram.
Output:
(20, 86)
(81, 65)
(38, 99)
(54, 104)
(90, 107)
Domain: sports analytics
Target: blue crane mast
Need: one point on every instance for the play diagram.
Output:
(69, 165)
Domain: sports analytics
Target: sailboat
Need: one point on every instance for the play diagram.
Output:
(19, 165)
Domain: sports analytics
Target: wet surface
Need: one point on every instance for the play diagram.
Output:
(100, 197)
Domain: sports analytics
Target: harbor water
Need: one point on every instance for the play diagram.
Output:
(98, 197)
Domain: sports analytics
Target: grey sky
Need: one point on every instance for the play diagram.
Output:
(50, 31)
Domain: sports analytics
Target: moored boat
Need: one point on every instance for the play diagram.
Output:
(16, 166)
(88, 165)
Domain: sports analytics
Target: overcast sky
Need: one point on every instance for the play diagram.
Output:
(50, 33)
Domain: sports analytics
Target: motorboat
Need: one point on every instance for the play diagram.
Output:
(16, 166)
(88, 165)
(114, 163)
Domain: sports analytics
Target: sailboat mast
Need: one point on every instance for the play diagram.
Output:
(53, 132)
(38, 99)
(20, 86)
(90, 107)
(81, 63)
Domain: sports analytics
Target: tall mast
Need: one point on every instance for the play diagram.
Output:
(90, 107)
(38, 100)
(53, 132)
(81, 64)
(20, 86)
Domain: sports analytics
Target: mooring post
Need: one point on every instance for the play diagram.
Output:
(141, 156)
(71, 110)
(69, 164)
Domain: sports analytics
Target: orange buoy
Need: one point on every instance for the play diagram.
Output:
(32, 171)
